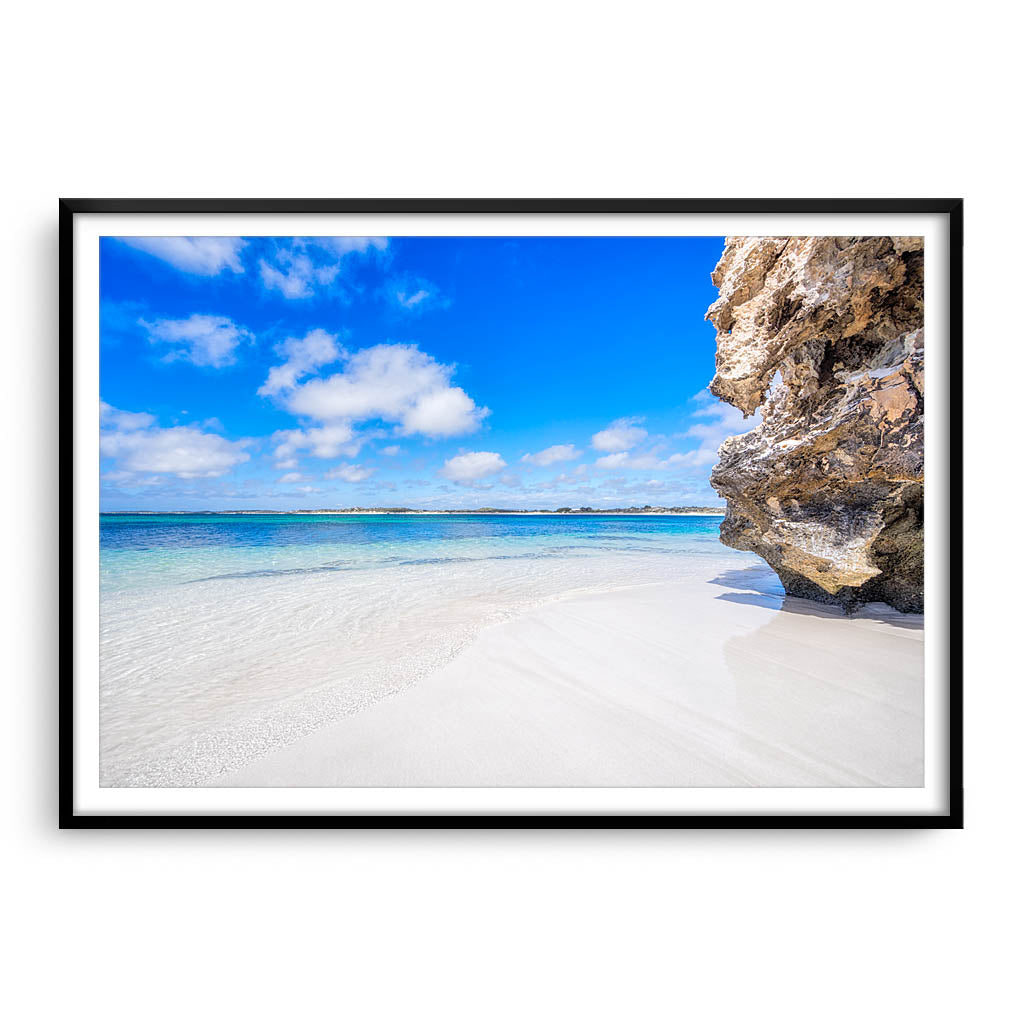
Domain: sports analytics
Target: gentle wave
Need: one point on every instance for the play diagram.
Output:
(558, 551)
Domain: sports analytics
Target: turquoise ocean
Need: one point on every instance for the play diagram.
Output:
(223, 636)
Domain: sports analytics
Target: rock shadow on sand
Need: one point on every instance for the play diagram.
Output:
(833, 697)
(760, 587)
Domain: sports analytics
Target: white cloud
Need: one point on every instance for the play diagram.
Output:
(413, 294)
(703, 456)
(303, 356)
(471, 466)
(292, 478)
(296, 270)
(198, 339)
(722, 421)
(296, 274)
(652, 460)
(352, 474)
(206, 256)
(623, 460)
(344, 244)
(327, 442)
(715, 422)
(186, 452)
(621, 435)
(574, 479)
(123, 476)
(395, 383)
(447, 412)
(556, 453)
(391, 450)
(412, 299)
(119, 420)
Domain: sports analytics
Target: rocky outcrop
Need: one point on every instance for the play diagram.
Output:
(825, 337)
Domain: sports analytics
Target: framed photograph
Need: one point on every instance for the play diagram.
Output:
(511, 513)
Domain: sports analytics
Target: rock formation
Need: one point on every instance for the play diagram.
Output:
(825, 337)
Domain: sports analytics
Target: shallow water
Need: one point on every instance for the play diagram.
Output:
(224, 636)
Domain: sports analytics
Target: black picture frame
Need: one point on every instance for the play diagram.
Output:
(951, 208)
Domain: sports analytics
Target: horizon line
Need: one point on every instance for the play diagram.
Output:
(395, 510)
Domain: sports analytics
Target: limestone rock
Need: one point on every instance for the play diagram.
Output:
(825, 336)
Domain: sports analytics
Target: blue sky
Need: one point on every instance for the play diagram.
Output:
(426, 372)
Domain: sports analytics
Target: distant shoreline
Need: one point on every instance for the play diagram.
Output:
(413, 512)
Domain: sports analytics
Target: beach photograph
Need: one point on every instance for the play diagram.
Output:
(524, 511)
(475, 547)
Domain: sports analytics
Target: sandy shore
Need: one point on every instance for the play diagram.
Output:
(718, 683)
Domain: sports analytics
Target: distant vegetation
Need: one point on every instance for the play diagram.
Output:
(583, 510)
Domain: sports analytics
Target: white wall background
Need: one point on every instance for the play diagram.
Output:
(524, 99)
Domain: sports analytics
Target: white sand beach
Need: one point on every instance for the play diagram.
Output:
(697, 683)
